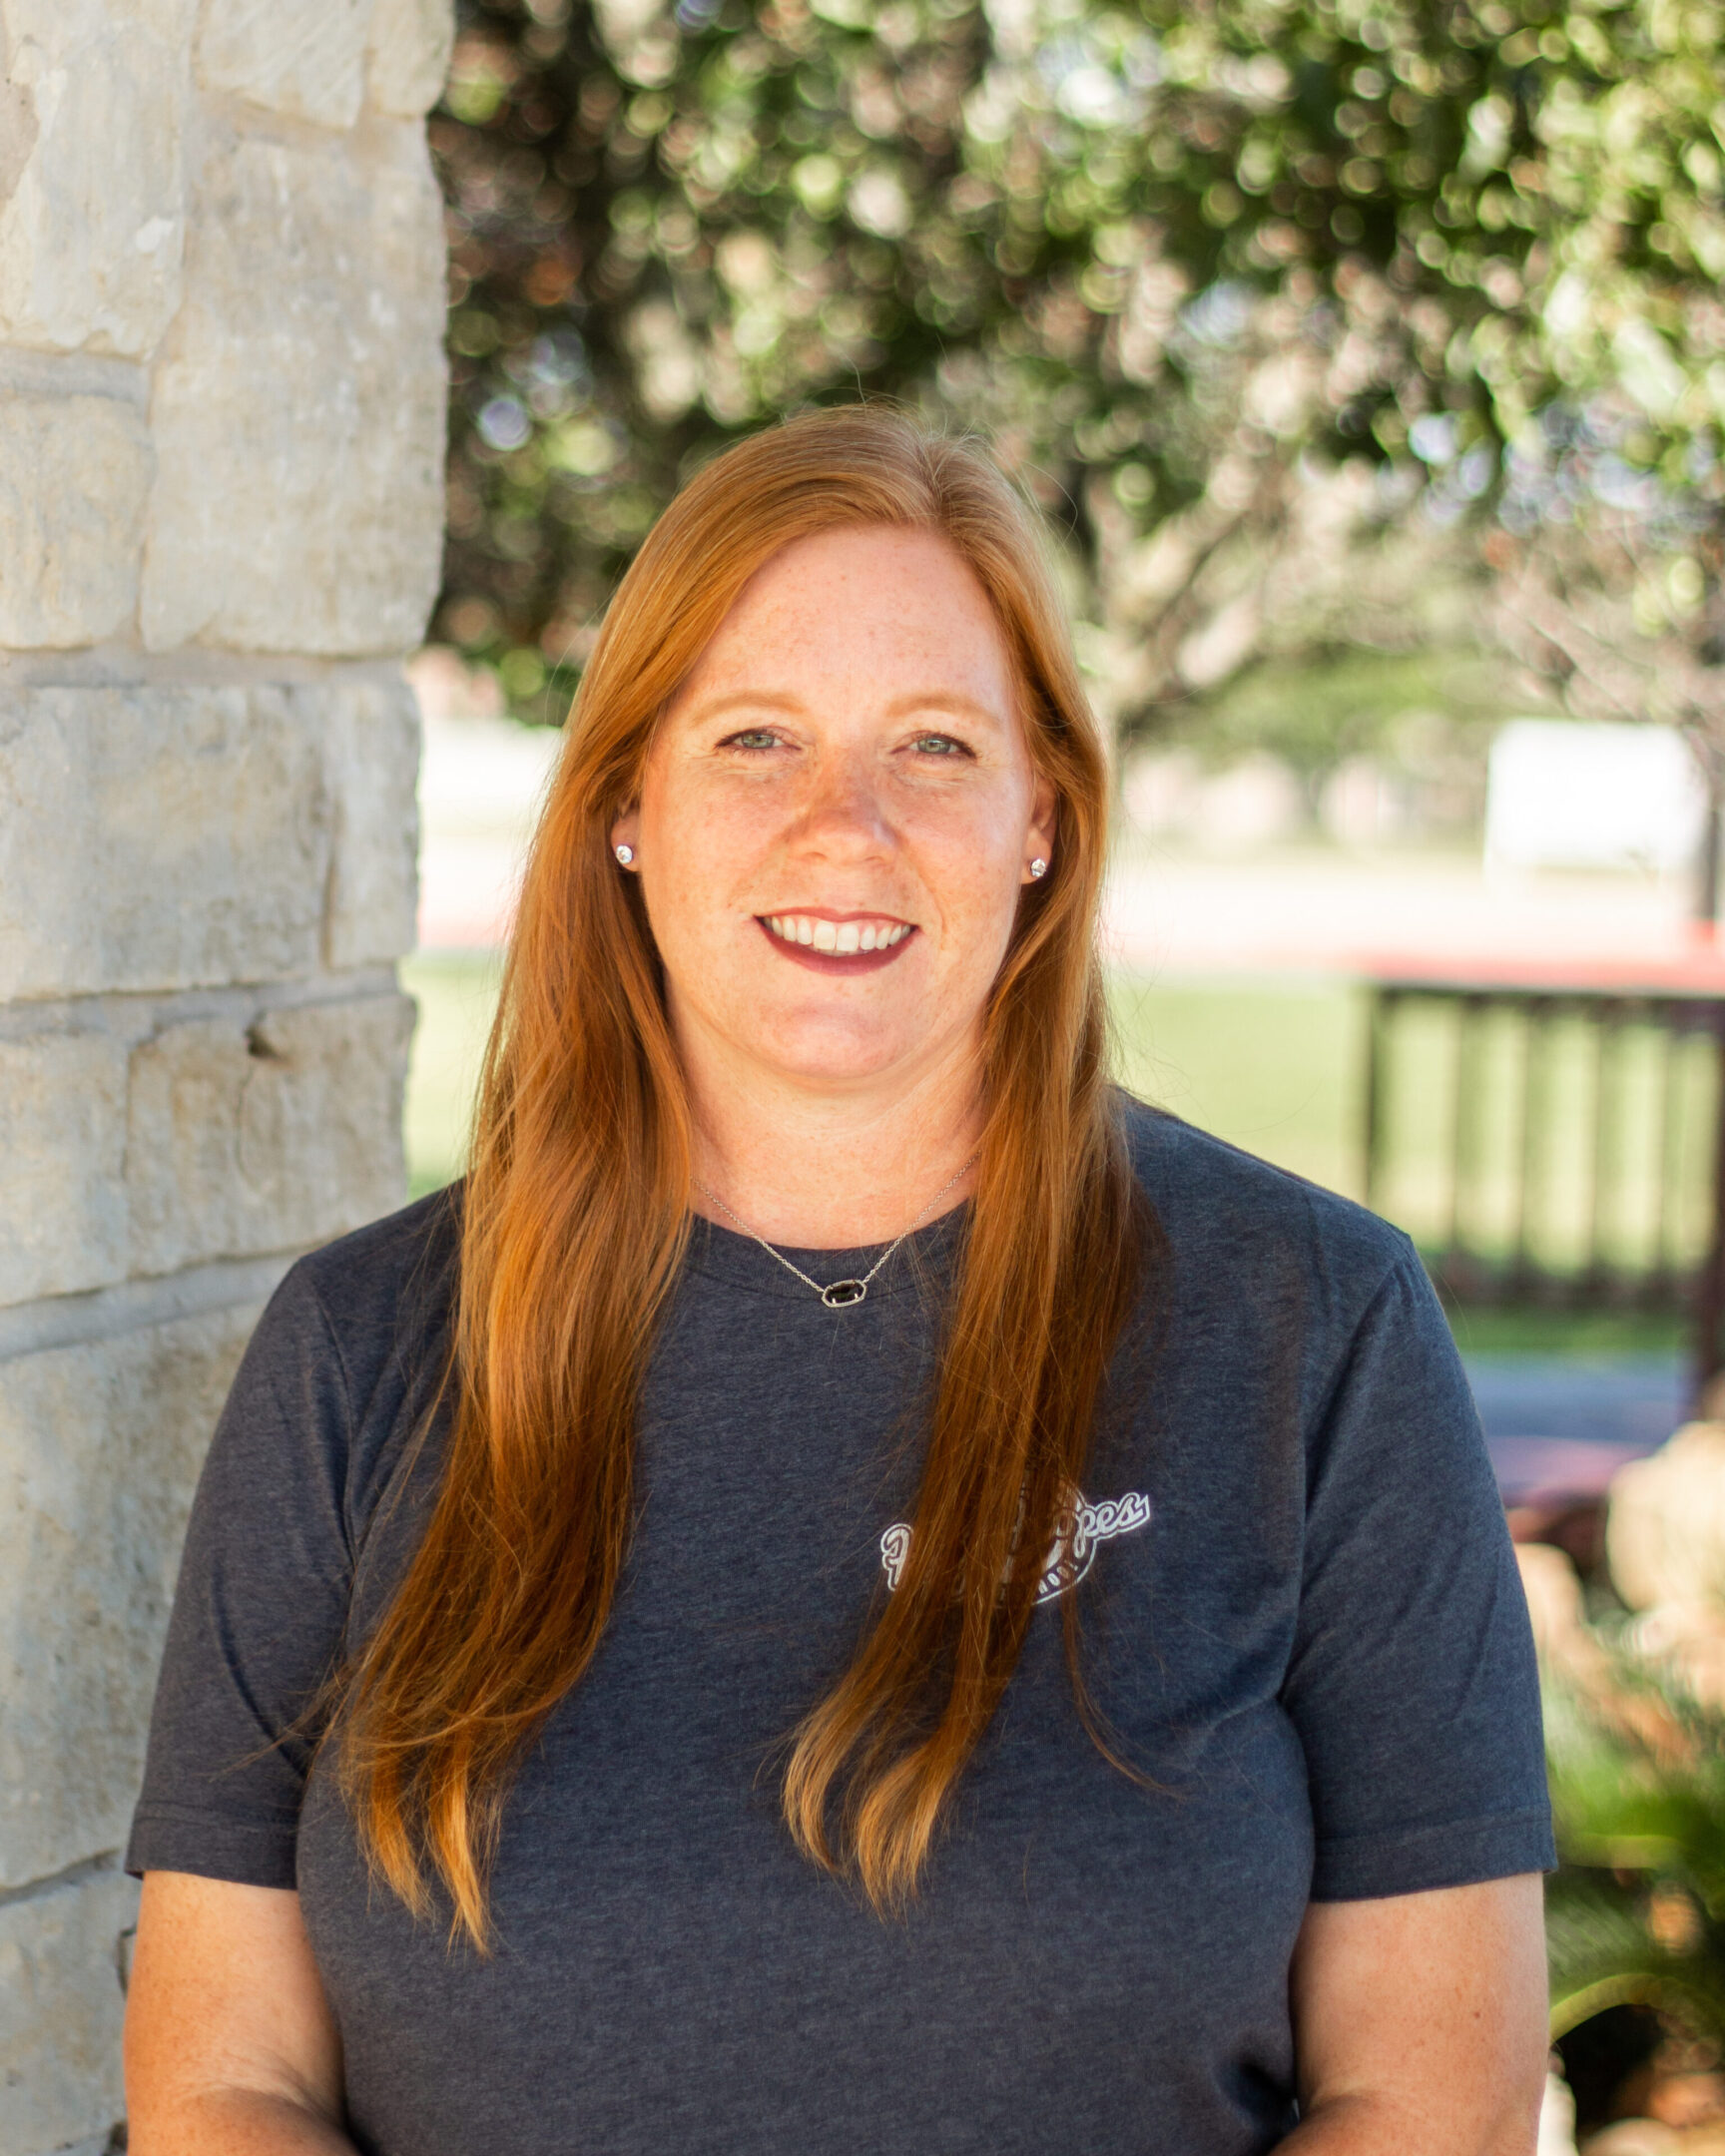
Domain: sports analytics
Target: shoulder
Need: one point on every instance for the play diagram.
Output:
(388, 1260)
(372, 1302)
(1275, 1291)
(346, 1358)
(1229, 1216)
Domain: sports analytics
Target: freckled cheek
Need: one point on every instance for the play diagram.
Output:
(694, 919)
(703, 856)
(973, 873)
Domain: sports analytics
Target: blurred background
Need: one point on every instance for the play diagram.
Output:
(1368, 363)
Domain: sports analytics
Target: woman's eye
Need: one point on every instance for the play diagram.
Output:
(940, 745)
(752, 738)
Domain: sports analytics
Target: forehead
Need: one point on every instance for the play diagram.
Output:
(894, 608)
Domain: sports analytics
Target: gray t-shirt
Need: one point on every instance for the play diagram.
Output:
(1302, 1619)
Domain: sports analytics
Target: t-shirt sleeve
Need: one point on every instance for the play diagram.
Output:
(1413, 1681)
(258, 1615)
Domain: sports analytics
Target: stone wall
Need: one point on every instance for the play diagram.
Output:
(221, 431)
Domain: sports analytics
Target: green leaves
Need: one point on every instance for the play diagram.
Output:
(1169, 253)
(1637, 1913)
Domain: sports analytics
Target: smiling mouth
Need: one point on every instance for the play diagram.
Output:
(859, 946)
(813, 932)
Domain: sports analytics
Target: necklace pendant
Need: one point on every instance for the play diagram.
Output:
(844, 1293)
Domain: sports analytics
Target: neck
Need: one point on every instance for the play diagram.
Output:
(834, 1168)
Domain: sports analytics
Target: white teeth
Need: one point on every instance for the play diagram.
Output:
(841, 937)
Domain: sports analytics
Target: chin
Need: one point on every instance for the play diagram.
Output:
(825, 1053)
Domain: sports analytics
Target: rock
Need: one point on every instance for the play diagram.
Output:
(1690, 2098)
(1553, 1590)
(170, 837)
(62, 1153)
(74, 475)
(164, 837)
(209, 1138)
(1665, 1532)
(60, 2008)
(92, 232)
(242, 1139)
(304, 57)
(1686, 1642)
(372, 766)
(1557, 2119)
(1571, 1655)
(100, 1447)
(1567, 1649)
(408, 59)
(222, 421)
(297, 504)
(1635, 2137)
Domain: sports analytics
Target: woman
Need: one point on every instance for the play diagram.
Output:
(855, 1590)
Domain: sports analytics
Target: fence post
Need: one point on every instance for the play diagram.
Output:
(1709, 1346)
(1377, 1085)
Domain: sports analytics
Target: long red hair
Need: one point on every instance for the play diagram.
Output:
(576, 1215)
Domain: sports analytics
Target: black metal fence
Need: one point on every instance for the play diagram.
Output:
(1559, 1147)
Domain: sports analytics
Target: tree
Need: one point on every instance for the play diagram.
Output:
(1240, 287)
(666, 227)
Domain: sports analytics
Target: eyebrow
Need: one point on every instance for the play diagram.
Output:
(946, 699)
(955, 701)
(747, 700)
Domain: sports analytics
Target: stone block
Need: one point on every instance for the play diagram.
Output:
(304, 57)
(74, 477)
(297, 410)
(61, 2005)
(159, 837)
(209, 1138)
(408, 58)
(62, 1152)
(171, 838)
(372, 753)
(93, 224)
(246, 1140)
(100, 1447)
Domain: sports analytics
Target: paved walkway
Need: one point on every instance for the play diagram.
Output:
(1412, 915)
(1561, 1427)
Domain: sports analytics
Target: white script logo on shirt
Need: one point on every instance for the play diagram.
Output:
(1080, 1527)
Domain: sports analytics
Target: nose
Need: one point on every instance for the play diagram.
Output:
(843, 815)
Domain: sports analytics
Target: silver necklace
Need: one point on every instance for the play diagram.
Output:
(842, 1293)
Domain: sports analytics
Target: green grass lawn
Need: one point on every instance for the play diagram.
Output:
(1274, 1064)
(456, 992)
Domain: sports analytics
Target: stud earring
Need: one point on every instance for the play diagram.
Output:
(625, 853)
(1038, 867)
